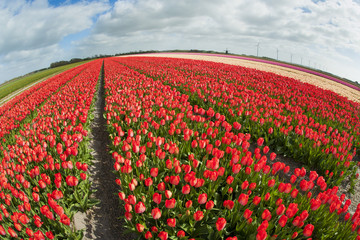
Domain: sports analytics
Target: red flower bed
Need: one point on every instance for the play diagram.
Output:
(316, 127)
(181, 151)
(44, 162)
(15, 110)
(195, 149)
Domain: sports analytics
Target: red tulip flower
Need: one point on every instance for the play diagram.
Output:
(308, 230)
(65, 219)
(260, 141)
(202, 198)
(229, 204)
(148, 235)
(157, 198)
(266, 215)
(170, 203)
(156, 213)
(188, 204)
(261, 235)
(220, 223)
(140, 207)
(282, 221)
(243, 199)
(209, 205)
(198, 216)
(180, 234)
(247, 213)
(163, 235)
(171, 222)
(139, 227)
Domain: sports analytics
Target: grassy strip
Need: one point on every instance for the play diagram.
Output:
(11, 86)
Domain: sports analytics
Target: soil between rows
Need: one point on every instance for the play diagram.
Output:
(103, 221)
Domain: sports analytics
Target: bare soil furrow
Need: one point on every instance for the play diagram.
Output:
(104, 220)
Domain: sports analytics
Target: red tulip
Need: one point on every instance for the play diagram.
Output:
(188, 204)
(304, 215)
(272, 156)
(185, 189)
(72, 181)
(256, 200)
(282, 221)
(174, 180)
(294, 193)
(271, 182)
(315, 204)
(65, 219)
(180, 234)
(156, 213)
(140, 207)
(292, 210)
(202, 198)
(229, 204)
(148, 235)
(232, 238)
(171, 222)
(170, 203)
(220, 223)
(243, 199)
(39, 235)
(168, 194)
(247, 213)
(260, 141)
(157, 198)
(266, 215)
(308, 230)
(261, 235)
(209, 205)
(163, 235)
(198, 216)
(139, 227)
(244, 185)
(49, 235)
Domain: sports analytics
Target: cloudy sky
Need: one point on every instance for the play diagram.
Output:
(323, 34)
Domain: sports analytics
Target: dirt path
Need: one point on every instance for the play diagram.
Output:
(102, 221)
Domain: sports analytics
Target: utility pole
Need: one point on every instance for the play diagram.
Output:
(257, 51)
(277, 54)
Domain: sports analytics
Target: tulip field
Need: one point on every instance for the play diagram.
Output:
(196, 149)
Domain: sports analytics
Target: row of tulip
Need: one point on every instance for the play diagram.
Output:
(187, 172)
(316, 127)
(19, 107)
(44, 160)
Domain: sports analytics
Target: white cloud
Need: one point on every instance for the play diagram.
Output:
(33, 25)
(29, 29)
(304, 29)
(322, 32)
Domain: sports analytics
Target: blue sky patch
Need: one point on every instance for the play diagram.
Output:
(65, 43)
